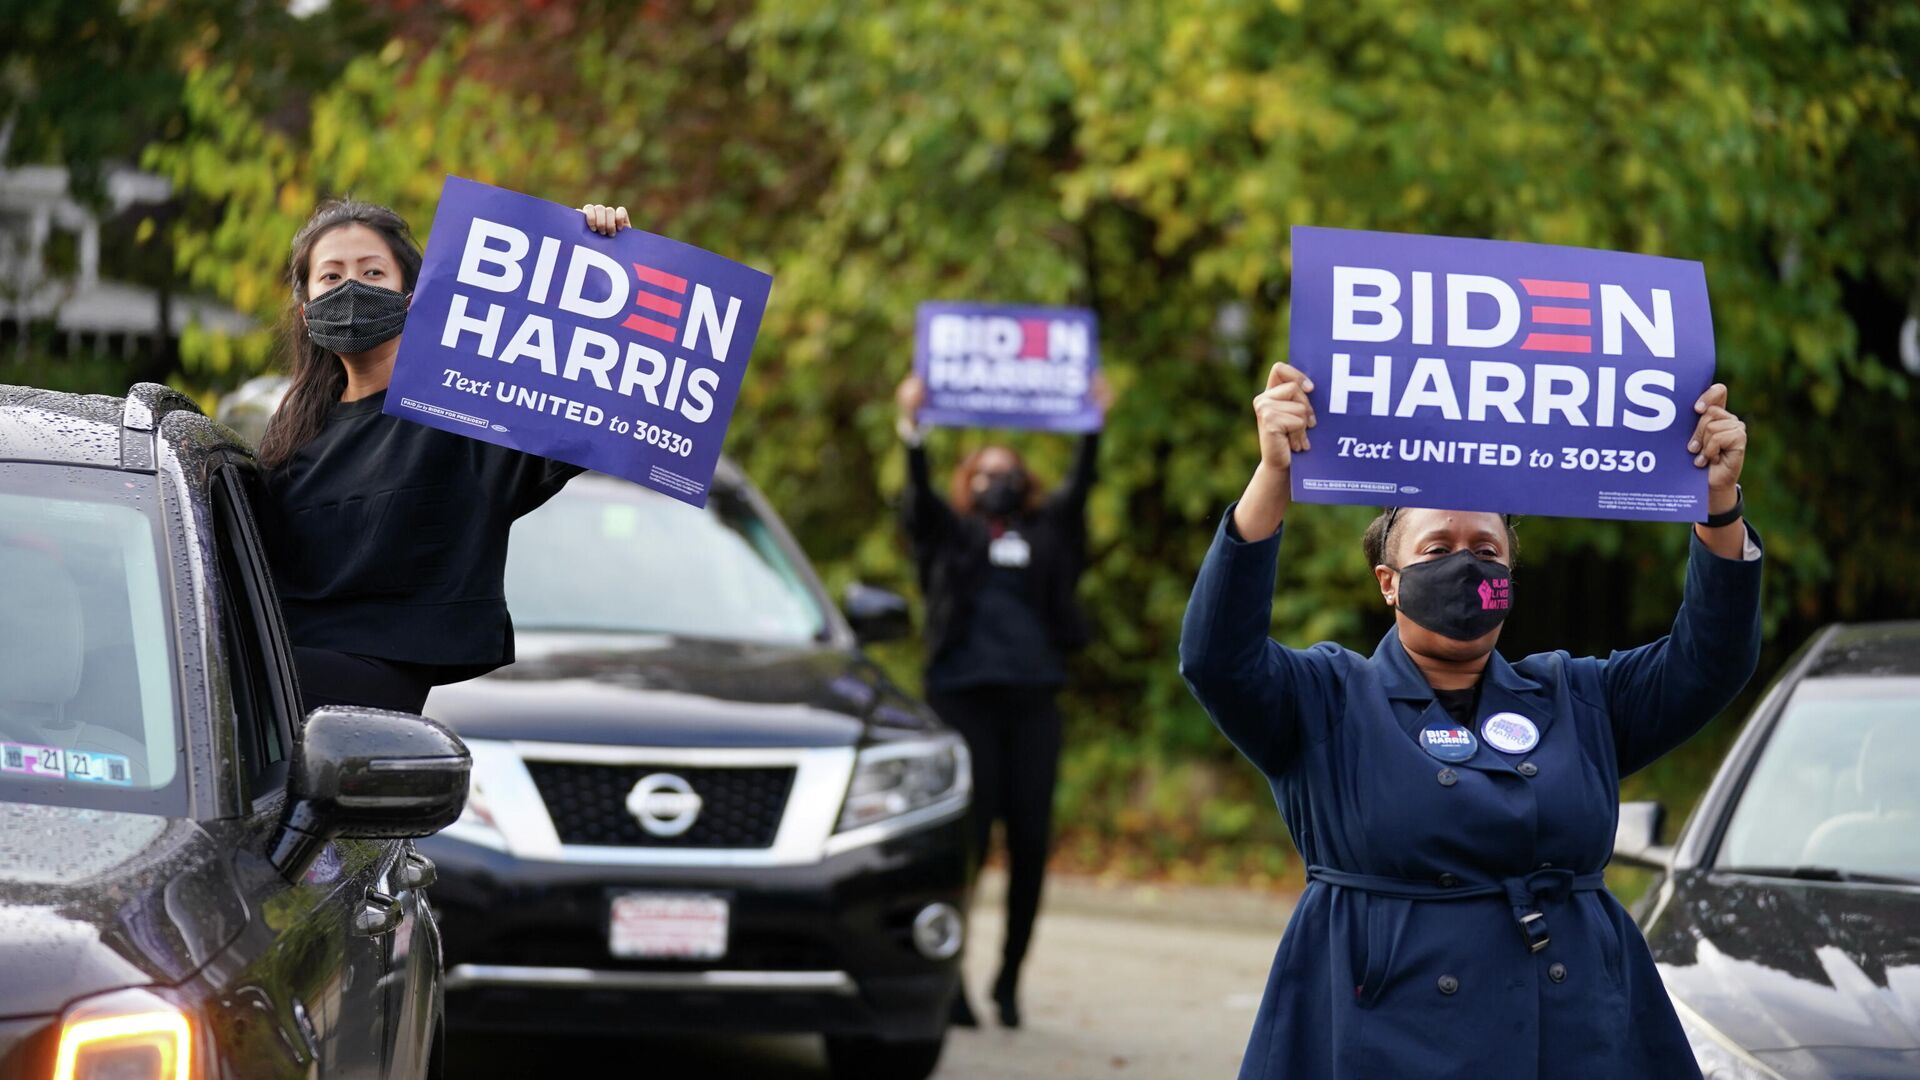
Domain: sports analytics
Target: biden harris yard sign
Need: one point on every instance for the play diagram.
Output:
(622, 354)
(990, 365)
(1487, 375)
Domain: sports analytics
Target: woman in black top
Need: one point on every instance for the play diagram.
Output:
(388, 540)
(998, 565)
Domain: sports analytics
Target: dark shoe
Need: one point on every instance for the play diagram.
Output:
(1006, 997)
(960, 1015)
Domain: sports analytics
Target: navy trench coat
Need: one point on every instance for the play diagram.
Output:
(1454, 923)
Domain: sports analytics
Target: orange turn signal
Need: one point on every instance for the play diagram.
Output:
(160, 1040)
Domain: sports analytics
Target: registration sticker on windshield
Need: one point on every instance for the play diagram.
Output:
(44, 761)
(99, 768)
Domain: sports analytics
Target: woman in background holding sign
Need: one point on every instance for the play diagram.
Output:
(1455, 810)
(998, 566)
(388, 540)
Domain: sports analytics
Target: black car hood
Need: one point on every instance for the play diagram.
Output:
(647, 690)
(94, 900)
(1781, 965)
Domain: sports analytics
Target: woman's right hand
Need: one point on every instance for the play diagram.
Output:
(1283, 415)
(910, 396)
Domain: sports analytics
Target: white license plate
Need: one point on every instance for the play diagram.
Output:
(668, 926)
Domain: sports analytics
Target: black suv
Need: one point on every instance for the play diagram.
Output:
(193, 881)
(696, 804)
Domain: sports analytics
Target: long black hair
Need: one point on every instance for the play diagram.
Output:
(319, 378)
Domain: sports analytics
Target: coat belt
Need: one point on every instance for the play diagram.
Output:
(1524, 893)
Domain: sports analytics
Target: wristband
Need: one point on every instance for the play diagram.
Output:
(1731, 514)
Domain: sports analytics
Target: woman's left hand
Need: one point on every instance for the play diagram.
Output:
(1102, 392)
(606, 220)
(1719, 445)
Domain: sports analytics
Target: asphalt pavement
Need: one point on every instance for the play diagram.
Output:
(1123, 981)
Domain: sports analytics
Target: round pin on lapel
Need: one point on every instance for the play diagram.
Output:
(1448, 741)
(1510, 733)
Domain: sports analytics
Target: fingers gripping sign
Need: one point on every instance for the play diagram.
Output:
(1719, 445)
(1719, 442)
(1283, 414)
(606, 220)
(1282, 417)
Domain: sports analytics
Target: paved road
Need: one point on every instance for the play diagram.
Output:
(1123, 982)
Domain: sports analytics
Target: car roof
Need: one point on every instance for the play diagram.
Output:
(1884, 648)
(85, 429)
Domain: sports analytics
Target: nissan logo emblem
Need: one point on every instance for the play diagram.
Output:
(664, 804)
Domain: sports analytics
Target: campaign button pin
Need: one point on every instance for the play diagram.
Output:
(1510, 733)
(1448, 742)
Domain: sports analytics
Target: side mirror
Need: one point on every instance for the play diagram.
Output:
(368, 774)
(877, 614)
(1636, 839)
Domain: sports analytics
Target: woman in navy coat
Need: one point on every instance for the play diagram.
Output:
(1455, 810)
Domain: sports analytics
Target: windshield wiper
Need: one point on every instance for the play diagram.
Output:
(1818, 873)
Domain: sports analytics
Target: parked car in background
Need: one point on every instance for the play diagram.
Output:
(1786, 919)
(193, 882)
(696, 805)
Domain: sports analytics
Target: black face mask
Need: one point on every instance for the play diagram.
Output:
(1457, 596)
(354, 317)
(1005, 493)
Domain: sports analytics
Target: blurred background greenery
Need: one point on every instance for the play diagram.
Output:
(1144, 159)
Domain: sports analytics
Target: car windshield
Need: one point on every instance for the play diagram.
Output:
(1836, 792)
(86, 673)
(607, 555)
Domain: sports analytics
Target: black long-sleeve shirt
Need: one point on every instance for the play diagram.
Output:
(957, 572)
(389, 539)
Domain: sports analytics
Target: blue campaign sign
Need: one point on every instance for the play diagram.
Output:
(1487, 375)
(622, 354)
(991, 365)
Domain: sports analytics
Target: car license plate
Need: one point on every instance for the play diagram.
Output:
(668, 926)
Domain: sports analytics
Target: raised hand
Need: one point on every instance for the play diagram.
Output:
(606, 220)
(1283, 415)
(1719, 445)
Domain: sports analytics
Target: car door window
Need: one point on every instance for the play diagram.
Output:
(259, 666)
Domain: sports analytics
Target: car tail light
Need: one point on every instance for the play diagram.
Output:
(128, 1035)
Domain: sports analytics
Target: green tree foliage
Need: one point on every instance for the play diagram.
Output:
(1147, 160)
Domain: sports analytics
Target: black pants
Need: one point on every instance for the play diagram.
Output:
(1013, 733)
(337, 678)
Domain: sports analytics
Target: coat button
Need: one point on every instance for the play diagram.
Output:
(1448, 881)
(1527, 768)
(1448, 777)
(1557, 972)
(1449, 984)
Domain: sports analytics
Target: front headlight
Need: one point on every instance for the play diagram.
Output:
(1720, 1058)
(126, 1035)
(893, 779)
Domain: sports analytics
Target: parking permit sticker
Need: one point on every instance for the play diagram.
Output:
(99, 768)
(1448, 741)
(49, 762)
